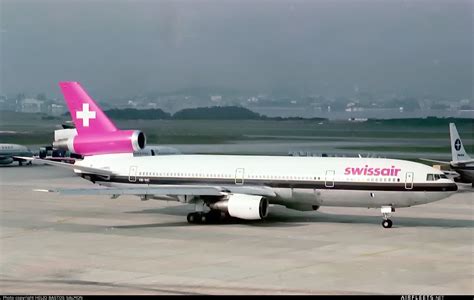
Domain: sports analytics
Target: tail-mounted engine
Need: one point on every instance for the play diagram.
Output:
(120, 141)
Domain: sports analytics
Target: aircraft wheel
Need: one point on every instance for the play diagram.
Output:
(213, 216)
(387, 223)
(191, 218)
(203, 218)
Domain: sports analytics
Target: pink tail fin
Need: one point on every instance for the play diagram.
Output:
(86, 114)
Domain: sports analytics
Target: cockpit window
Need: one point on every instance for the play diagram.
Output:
(434, 177)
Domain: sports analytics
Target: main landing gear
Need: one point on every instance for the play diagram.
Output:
(204, 217)
(387, 212)
(20, 163)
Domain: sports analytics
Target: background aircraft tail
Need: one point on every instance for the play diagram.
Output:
(86, 114)
(457, 148)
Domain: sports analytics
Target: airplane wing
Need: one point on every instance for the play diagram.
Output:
(456, 163)
(436, 161)
(169, 190)
(251, 190)
(140, 191)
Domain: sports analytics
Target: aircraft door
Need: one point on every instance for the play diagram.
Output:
(132, 175)
(409, 180)
(329, 179)
(239, 176)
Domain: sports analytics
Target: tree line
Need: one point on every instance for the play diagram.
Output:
(200, 113)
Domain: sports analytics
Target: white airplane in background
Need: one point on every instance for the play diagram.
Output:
(10, 153)
(462, 163)
(239, 186)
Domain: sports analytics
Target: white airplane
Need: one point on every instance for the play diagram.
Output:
(461, 162)
(9, 153)
(238, 186)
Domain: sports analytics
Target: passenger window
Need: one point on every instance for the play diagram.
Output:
(429, 177)
(436, 177)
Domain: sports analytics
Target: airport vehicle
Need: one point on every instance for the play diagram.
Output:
(10, 153)
(49, 153)
(461, 162)
(238, 186)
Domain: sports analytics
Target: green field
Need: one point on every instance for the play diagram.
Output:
(374, 136)
(412, 149)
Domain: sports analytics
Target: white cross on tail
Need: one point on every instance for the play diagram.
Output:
(85, 115)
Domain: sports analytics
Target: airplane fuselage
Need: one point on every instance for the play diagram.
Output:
(8, 153)
(466, 172)
(303, 183)
(237, 186)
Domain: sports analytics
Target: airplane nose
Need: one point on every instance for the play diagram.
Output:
(450, 187)
(444, 191)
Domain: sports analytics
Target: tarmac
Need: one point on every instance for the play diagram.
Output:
(52, 244)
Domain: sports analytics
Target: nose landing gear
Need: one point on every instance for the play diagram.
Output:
(387, 213)
(387, 223)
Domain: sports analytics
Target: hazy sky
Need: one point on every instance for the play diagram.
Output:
(328, 47)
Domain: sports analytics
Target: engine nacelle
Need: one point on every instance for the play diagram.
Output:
(120, 141)
(247, 207)
(64, 134)
(6, 161)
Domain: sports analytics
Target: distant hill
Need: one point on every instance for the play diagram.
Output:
(137, 114)
(200, 113)
(217, 113)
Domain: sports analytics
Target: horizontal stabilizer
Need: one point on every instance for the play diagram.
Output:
(84, 169)
(59, 158)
